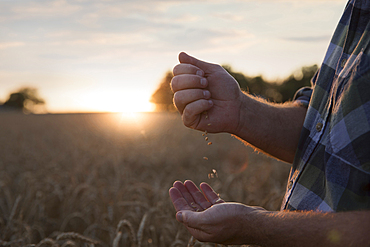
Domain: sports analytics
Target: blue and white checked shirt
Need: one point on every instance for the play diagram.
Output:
(331, 170)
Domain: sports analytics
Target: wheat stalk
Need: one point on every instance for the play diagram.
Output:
(15, 242)
(141, 229)
(128, 225)
(69, 217)
(47, 241)
(76, 236)
(69, 243)
(178, 242)
(116, 239)
(191, 242)
(153, 234)
(14, 209)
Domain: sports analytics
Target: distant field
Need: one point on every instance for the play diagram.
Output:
(105, 177)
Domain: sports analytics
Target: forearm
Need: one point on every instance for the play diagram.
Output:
(271, 128)
(314, 229)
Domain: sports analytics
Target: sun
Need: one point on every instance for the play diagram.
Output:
(125, 101)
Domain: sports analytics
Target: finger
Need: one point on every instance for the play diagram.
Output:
(181, 82)
(210, 194)
(197, 195)
(191, 113)
(184, 68)
(184, 97)
(178, 200)
(187, 196)
(206, 67)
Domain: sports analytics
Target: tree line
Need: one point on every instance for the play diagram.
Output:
(23, 100)
(274, 91)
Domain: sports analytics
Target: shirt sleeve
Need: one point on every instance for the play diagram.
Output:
(303, 95)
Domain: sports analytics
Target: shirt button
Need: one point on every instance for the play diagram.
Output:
(290, 185)
(343, 63)
(319, 127)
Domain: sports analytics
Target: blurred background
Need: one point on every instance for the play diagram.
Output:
(95, 169)
(110, 55)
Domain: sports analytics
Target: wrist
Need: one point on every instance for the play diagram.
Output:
(256, 224)
(243, 115)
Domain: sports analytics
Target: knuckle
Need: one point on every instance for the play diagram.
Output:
(176, 69)
(174, 83)
(186, 117)
(178, 98)
(188, 113)
(218, 66)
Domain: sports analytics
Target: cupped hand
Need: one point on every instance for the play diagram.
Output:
(206, 95)
(209, 219)
(187, 196)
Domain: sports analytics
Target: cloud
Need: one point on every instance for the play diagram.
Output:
(310, 39)
(5, 45)
(42, 9)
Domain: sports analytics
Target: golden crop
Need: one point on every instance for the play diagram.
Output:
(103, 179)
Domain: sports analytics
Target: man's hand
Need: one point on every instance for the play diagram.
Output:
(209, 219)
(206, 95)
(210, 99)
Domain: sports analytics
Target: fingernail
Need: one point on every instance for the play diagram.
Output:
(200, 73)
(210, 102)
(179, 216)
(203, 81)
(206, 94)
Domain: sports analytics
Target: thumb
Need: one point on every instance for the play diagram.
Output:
(188, 218)
(185, 58)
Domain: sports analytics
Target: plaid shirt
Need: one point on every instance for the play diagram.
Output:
(331, 170)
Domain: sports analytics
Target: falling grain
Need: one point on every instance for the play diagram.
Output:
(209, 143)
(215, 172)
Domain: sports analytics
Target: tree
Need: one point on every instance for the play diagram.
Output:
(163, 96)
(273, 91)
(25, 99)
(300, 78)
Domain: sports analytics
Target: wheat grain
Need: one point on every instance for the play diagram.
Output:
(209, 143)
(215, 172)
(69, 243)
(76, 236)
(47, 241)
(128, 225)
(71, 216)
(12, 243)
(205, 158)
(79, 163)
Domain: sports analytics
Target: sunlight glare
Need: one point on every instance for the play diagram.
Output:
(128, 102)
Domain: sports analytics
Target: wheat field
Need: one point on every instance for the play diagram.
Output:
(103, 179)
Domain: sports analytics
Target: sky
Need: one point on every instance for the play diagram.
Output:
(110, 55)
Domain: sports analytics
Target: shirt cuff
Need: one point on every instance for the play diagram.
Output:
(303, 96)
